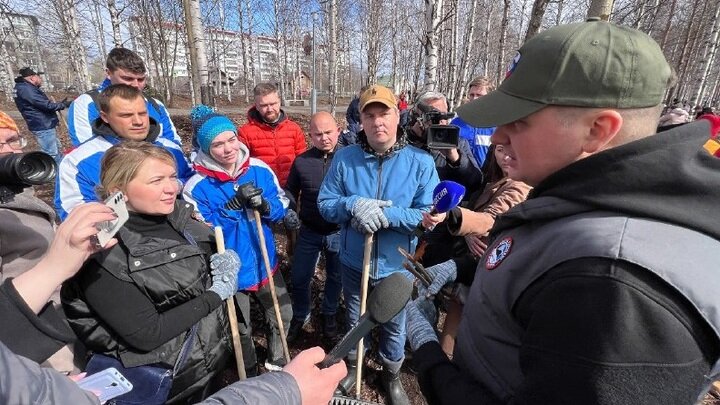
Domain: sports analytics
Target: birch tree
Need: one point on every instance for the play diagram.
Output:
(433, 18)
(710, 49)
(67, 16)
(198, 55)
(536, 17)
(600, 8)
(115, 22)
(332, 60)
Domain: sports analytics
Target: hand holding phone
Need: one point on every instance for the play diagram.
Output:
(106, 384)
(108, 229)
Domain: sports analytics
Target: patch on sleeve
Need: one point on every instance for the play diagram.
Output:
(498, 253)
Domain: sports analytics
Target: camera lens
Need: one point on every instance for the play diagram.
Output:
(27, 169)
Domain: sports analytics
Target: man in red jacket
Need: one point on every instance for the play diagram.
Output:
(270, 135)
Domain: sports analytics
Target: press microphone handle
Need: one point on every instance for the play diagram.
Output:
(349, 341)
(420, 229)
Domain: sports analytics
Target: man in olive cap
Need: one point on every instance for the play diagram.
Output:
(602, 287)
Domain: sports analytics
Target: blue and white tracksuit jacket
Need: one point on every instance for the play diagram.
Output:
(478, 138)
(83, 112)
(212, 187)
(406, 176)
(79, 171)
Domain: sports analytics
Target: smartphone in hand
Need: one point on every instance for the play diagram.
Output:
(108, 229)
(106, 384)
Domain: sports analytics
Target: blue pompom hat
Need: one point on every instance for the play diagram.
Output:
(207, 124)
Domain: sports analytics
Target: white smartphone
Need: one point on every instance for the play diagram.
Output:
(108, 229)
(108, 384)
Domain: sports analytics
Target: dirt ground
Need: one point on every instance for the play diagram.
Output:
(371, 390)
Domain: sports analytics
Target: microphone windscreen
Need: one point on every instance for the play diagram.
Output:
(447, 195)
(389, 297)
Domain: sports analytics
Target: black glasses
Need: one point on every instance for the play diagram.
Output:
(17, 143)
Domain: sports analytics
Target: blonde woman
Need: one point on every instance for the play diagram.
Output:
(159, 290)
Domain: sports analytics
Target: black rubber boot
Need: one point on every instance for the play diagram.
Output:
(346, 384)
(393, 387)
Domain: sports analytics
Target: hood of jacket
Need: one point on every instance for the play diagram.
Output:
(100, 127)
(205, 164)
(254, 115)
(668, 177)
(21, 80)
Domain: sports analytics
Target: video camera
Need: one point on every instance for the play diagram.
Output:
(435, 135)
(21, 170)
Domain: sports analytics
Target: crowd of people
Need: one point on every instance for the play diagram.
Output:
(579, 267)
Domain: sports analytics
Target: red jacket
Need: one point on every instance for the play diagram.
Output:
(276, 145)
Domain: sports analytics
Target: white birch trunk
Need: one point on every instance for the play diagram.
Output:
(332, 60)
(711, 46)
(7, 76)
(196, 44)
(115, 23)
(467, 51)
(99, 26)
(76, 51)
(600, 8)
(432, 22)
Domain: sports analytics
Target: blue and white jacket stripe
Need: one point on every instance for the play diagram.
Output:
(79, 172)
(83, 112)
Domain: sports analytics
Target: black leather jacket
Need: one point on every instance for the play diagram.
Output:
(169, 273)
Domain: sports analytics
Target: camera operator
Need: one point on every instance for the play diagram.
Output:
(26, 225)
(454, 163)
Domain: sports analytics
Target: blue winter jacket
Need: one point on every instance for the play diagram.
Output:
(406, 176)
(478, 138)
(83, 112)
(212, 187)
(36, 108)
(79, 171)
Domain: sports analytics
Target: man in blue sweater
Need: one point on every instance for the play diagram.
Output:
(380, 186)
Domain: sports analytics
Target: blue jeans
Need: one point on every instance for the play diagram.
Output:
(47, 138)
(307, 250)
(392, 333)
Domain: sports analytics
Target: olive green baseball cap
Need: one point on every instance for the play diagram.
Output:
(588, 64)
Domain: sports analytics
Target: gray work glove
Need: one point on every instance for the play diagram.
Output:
(441, 274)
(291, 220)
(368, 216)
(224, 285)
(227, 262)
(419, 329)
(224, 268)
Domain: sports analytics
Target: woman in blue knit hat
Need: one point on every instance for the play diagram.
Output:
(228, 185)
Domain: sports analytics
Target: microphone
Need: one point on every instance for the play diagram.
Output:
(385, 301)
(446, 196)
